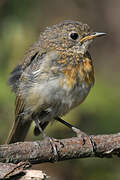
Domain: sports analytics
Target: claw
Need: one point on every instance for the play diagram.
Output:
(53, 145)
(81, 134)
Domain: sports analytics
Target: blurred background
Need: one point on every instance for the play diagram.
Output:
(20, 24)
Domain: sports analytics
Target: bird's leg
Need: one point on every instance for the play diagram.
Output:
(47, 137)
(78, 132)
(37, 123)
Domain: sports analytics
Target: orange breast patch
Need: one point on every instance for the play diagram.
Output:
(89, 71)
(80, 72)
(70, 74)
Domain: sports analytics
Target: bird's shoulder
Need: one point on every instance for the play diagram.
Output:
(34, 52)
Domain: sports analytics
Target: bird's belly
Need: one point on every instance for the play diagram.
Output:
(69, 99)
(49, 96)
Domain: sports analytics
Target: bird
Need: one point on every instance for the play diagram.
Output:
(54, 76)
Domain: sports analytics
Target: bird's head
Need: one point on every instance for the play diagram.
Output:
(70, 36)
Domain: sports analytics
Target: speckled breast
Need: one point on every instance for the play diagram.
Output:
(77, 79)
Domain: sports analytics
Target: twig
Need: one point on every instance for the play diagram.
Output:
(42, 151)
(8, 170)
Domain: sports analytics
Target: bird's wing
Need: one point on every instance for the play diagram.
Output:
(29, 57)
(21, 127)
(19, 105)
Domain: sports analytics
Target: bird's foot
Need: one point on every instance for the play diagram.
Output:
(39, 130)
(81, 134)
(53, 145)
(78, 132)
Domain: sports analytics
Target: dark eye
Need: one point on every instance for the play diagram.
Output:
(74, 35)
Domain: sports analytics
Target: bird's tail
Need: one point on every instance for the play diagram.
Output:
(18, 131)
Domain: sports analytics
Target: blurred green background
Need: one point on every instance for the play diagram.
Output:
(20, 24)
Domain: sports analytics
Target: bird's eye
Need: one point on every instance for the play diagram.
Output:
(74, 35)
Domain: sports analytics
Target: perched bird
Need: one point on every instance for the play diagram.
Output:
(55, 75)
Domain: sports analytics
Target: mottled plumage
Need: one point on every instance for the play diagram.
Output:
(54, 76)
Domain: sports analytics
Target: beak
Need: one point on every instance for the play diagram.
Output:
(92, 36)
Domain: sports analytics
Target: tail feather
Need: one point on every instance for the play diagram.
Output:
(18, 131)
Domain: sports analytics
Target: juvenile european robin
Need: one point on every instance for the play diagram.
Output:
(55, 75)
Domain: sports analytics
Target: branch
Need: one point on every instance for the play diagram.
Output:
(8, 170)
(19, 172)
(43, 151)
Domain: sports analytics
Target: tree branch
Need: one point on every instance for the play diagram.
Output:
(8, 170)
(19, 172)
(43, 151)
